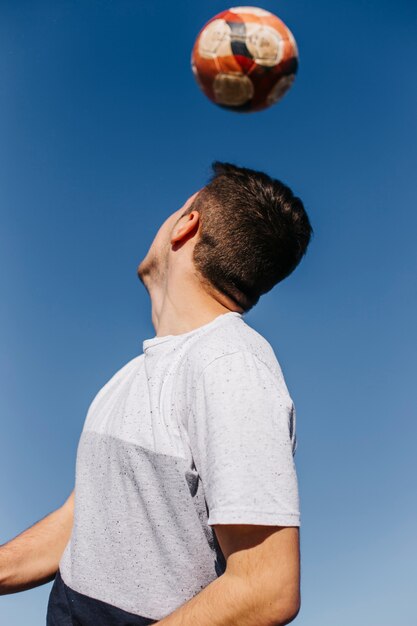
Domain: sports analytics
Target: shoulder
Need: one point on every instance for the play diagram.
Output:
(231, 361)
(235, 336)
(125, 370)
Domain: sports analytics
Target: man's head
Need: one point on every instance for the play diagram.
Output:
(247, 233)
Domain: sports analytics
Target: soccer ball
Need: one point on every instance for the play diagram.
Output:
(245, 59)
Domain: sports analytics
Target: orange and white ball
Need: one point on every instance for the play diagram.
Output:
(245, 59)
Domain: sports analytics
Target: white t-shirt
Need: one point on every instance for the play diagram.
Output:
(197, 430)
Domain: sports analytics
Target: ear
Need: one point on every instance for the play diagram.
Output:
(186, 224)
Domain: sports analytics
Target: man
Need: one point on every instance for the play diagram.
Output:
(185, 510)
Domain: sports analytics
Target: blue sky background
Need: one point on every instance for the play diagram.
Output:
(104, 133)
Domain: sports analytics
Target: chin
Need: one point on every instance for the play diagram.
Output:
(148, 269)
(142, 271)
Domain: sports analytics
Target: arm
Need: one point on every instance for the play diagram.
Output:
(32, 558)
(261, 584)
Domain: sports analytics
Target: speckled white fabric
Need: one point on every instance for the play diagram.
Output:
(197, 430)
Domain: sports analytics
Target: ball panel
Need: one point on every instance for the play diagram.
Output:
(215, 40)
(293, 43)
(229, 63)
(288, 66)
(248, 18)
(219, 16)
(245, 63)
(252, 10)
(232, 18)
(232, 89)
(263, 83)
(280, 89)
(289, 58)
(207, 68)
(274, 22)
(239, 39)
(265, 44)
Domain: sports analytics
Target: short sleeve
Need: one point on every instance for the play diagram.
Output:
(241, 429)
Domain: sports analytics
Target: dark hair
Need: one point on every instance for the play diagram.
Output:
(254, 232)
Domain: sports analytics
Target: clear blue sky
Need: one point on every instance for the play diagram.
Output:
(103, 134)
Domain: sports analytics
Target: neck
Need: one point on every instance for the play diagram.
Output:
(180, 309)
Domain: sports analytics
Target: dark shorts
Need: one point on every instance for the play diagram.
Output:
(67, 607)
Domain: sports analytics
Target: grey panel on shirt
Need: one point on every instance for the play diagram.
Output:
(141, 543)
